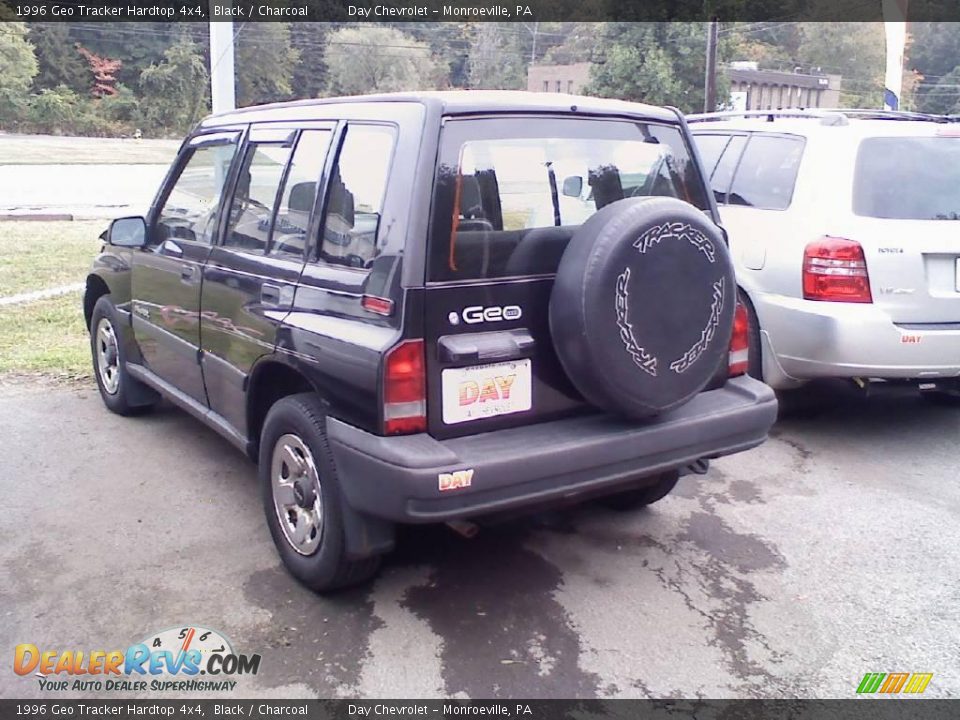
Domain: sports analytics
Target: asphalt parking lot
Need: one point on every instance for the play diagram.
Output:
(790, 570)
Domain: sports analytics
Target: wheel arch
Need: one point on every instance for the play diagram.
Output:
(273, 378)
(96, 288)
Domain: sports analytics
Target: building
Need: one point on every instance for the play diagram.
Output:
(558, 78)
(755, 89)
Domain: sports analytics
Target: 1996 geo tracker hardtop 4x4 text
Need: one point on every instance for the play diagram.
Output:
(427, 307)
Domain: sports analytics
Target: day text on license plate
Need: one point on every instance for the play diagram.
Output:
(484, 391)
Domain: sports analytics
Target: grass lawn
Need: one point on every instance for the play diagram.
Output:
(51, 149)
(41, 255)
(46, 337)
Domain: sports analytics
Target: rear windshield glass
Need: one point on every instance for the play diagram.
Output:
(908, 178)
(509, 193)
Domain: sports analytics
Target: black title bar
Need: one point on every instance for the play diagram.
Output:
(51, 708)
(470, 10)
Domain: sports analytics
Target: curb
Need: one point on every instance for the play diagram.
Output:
(47, 217)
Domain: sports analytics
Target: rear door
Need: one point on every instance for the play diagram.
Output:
(754, 184)
(249, 280)
(167, 273)
(906, 203)
(509, 194)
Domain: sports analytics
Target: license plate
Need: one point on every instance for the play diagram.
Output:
(484, 391)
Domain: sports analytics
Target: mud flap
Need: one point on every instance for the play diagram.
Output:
(365, 536)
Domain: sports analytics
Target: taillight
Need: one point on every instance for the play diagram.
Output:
(378, 305)
(740, 343)
(405, 389)
(835, 269)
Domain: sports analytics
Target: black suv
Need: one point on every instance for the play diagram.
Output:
(429, 307)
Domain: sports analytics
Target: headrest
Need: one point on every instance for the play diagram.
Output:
(471, 204)
(341, 200)
(301, 196)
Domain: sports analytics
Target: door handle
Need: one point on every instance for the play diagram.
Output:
(187, 272)
(169, 247)
(269, 294)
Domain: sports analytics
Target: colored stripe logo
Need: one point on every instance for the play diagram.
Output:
(893, 683)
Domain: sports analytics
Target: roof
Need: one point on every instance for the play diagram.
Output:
(464, 102)
(826, 121)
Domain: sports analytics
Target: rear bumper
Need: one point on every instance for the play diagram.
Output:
(825, 339)
(397, 478)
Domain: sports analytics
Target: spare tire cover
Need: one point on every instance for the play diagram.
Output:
(642, 307)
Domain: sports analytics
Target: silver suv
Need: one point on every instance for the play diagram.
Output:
(845, 232)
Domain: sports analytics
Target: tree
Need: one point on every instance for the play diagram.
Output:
(104, 72)
(450, 45)
(934, 54)
(174, 92)
(265, 63)
(58, 61)
(496, 57)
(310, 73)
(857, 51)
(379, 59)
(138, 44)
(53, 110)
(578, 42)
(18, 65)
(942, 96)
(657, 63)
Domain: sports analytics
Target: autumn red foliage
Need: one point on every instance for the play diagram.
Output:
(104, 71)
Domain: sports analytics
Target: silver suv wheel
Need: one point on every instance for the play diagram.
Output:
(296, 494)
(108, 356)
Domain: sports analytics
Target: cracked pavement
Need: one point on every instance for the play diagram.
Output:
(787, 571)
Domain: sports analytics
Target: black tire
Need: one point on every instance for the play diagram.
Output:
(642, 307)
(120, 392)
(643, 496)
(321, 565)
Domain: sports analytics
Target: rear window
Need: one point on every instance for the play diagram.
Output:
(509, 193)
(908, 178)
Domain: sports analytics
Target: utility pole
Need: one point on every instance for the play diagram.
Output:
(222, 85)
(533, 33)
(895, 29)
(710, 81)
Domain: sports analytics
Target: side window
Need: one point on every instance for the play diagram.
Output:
(251, 211)
(723, 173)
(355, 196)
(710, 148)
(767, 172)
(299, 191)
(191, 208)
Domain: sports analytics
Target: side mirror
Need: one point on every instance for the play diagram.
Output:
(573, 186)
(128, 232)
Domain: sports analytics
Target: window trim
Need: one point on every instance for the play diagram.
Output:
(796, 178)
(320, 189)
(318, 223)
(210, 137)
(250, 146)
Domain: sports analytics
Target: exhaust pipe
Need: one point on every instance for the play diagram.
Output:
(464, 528)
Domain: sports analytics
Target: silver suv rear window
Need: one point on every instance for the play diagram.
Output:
(908, 178)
